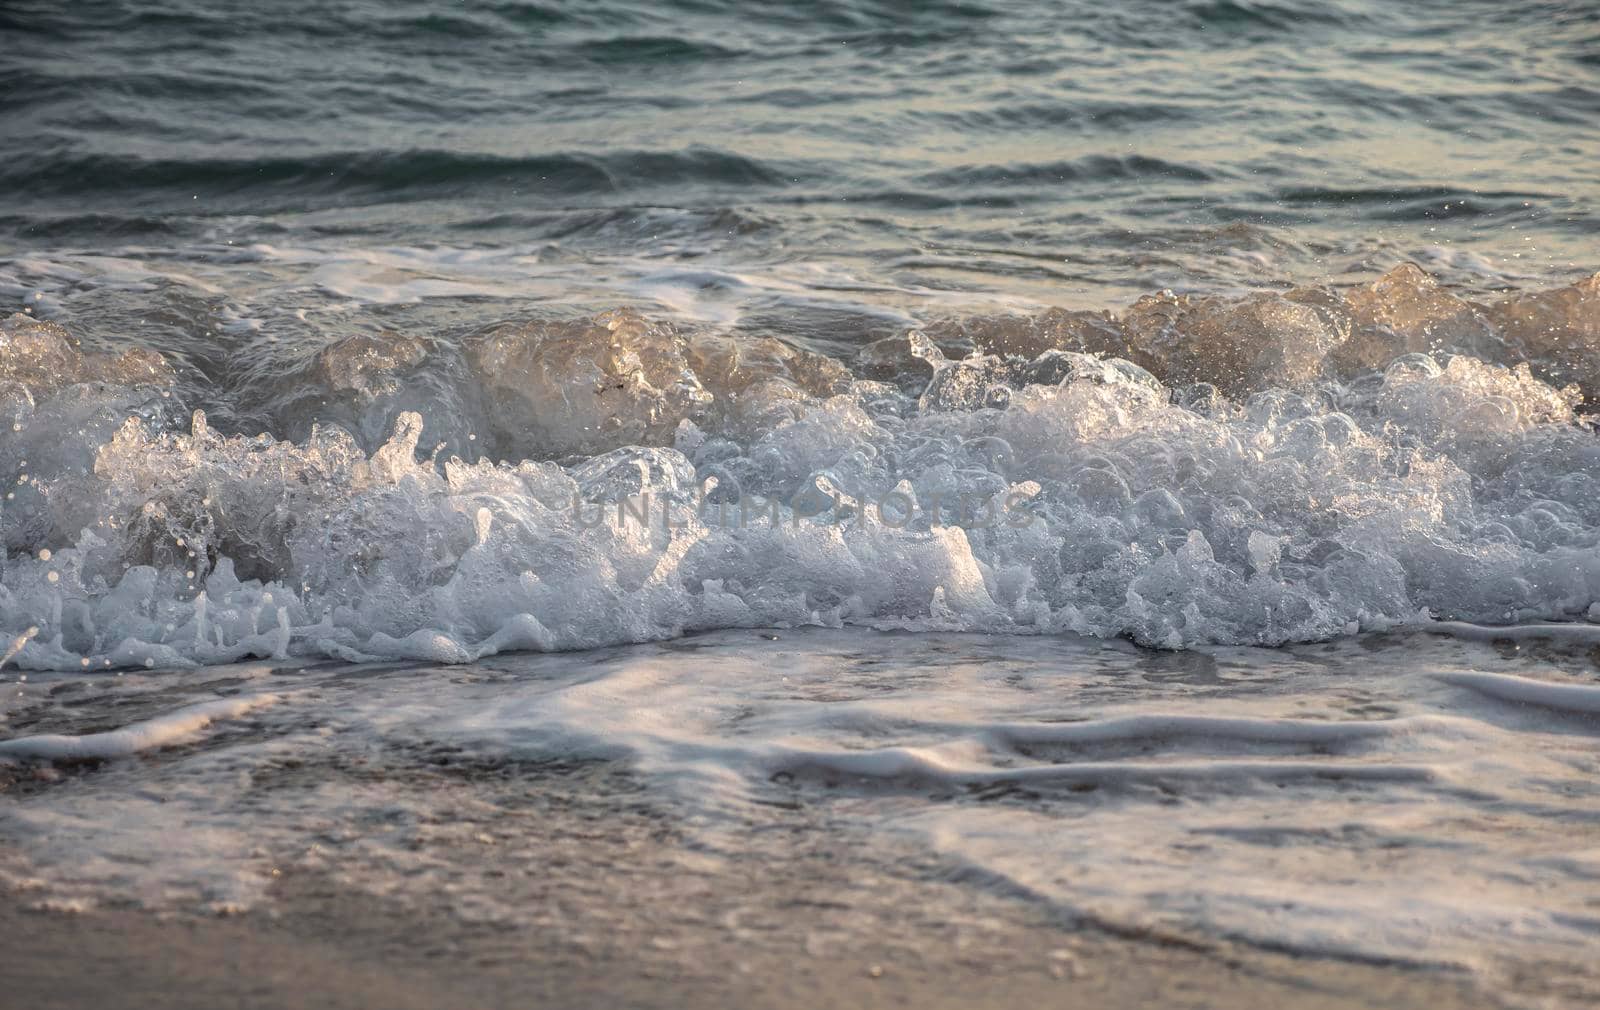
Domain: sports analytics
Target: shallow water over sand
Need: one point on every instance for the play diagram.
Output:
(1407, 798)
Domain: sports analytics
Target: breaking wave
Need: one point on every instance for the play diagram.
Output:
(1261, 469)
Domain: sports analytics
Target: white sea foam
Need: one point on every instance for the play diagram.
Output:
(1269, 471)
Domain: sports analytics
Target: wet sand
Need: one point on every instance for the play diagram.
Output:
(323, 946)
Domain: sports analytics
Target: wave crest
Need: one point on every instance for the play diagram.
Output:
(1197, 470)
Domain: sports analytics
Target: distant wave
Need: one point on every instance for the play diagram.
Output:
(1415, 203)
(383, 172)
(1095, 168)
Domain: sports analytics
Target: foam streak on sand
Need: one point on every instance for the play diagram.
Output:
(164, 731)
(1576, 698)
(1244, 730)
(918, 766)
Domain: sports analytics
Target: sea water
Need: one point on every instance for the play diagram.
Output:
(1105, 412)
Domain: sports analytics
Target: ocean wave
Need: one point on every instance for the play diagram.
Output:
(1080, 114)
(655, 49)
(384, 172)
(99, 227)
(1258, 469)
(1253, 14)
(1417, 203)
(1092, 168)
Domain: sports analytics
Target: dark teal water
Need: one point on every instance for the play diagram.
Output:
(1073, 152)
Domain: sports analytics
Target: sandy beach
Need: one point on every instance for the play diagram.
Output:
(325, 947)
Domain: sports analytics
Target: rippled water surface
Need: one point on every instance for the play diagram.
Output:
(1076, 152)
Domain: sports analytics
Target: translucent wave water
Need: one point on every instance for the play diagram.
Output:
(1264, 469)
